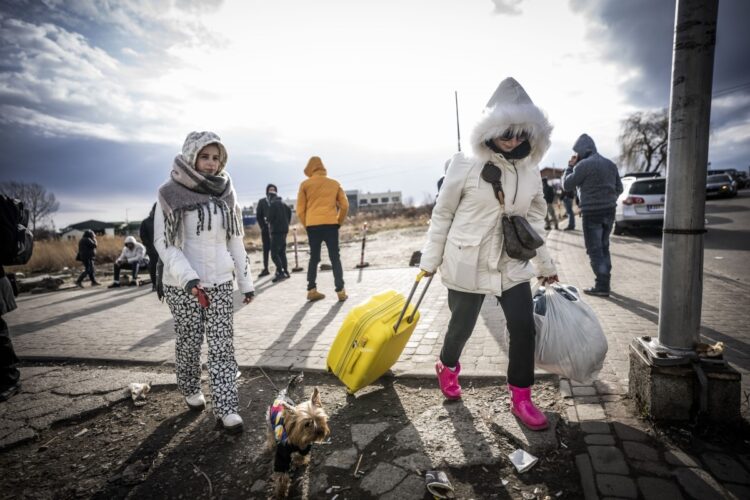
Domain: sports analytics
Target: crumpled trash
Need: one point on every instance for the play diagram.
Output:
(710, 350)
(522, 461)
(138, 393)
(438, 484)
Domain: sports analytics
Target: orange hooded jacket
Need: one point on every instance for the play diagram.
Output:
(320, 200)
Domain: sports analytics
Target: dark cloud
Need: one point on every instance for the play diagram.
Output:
(637, 35)
(76, 68)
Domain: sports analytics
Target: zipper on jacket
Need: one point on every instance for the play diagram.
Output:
(364, 322)
(515, 171)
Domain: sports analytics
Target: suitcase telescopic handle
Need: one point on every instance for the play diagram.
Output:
(408, 299)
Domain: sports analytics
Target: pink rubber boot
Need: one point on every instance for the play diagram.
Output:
(448, 380)
(522, 407)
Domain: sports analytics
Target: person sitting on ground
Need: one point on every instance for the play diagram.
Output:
(87, 254)
(133, 257)
(279, 216)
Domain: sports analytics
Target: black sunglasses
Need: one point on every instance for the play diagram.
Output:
(521, 135)
(492, 174)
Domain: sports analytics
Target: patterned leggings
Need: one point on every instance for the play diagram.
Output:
(190, 322)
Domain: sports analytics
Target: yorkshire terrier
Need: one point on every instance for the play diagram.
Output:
(292, 429)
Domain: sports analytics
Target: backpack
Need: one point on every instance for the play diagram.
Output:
(18, 241)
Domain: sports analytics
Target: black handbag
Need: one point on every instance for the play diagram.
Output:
(521, 241)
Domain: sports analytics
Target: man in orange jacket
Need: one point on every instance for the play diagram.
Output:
(322, 208)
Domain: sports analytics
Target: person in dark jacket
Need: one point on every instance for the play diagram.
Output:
(549, 196)
(147, 238)
(261, 214)
(87, 255)
(279, 216)
(599, 185)
(10, 376)
(568, 197)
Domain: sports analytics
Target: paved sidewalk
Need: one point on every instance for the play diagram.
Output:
(281, 329)
(278, 330)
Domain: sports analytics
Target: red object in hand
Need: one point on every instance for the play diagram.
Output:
(203, 298)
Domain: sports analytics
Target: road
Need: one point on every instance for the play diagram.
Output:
(727, 241)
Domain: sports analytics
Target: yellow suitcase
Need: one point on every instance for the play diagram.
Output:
(373, 335)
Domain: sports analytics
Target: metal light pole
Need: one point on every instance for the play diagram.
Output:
(668, 379)
(687, 157)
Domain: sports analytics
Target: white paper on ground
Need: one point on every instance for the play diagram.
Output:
(522, 461)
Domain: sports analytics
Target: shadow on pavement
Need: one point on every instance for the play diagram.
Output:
(739, 356)
(24, 328)
(82, 295)
(163, 334)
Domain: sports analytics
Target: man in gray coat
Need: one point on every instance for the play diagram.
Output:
(599, 185)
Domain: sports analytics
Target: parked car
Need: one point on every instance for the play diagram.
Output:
(721, 185)
(740, 178)
(639, 175)
(641, 203)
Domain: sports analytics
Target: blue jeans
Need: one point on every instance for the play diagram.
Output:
(568, 202)
(597, 227)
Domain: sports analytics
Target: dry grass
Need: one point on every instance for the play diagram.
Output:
(353, 226)
(51, 256)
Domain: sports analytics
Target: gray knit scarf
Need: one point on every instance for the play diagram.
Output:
(187, 189)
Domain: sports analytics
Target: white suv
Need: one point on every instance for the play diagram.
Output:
(641, 203)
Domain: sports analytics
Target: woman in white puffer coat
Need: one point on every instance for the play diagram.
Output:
(465, 240)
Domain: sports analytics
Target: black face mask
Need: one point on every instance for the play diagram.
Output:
(521, 151)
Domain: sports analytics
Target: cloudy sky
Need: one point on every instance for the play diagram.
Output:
(96, 97)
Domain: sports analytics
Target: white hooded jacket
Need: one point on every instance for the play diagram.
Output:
(465, 239)
(138, 253)
(207, 256)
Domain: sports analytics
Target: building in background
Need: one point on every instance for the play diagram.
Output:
(389, 200)
(75, 231)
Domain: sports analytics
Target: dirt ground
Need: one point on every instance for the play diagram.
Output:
(163, 450)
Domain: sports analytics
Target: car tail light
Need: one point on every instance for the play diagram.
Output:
(633, 200)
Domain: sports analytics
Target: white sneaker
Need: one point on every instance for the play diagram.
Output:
(232, 422)
(196, 401)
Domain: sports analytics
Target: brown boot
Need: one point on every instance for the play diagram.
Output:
(314, 294)
(342, 295)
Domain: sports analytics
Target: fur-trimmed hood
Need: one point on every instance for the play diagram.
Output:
(511, 107)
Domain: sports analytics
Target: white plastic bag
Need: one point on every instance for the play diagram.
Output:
(570, 341)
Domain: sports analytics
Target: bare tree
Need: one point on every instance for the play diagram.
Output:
(643, 141)
(39, 202)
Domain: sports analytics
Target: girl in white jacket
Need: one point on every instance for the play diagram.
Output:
(198, 233)
(465, 239)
